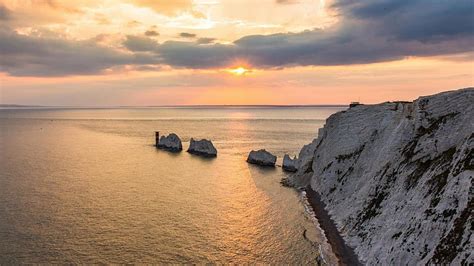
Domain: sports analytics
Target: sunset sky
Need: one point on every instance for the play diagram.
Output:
(159, 52)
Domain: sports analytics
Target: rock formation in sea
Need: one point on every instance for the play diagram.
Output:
(202, 147)
(290, 165)
(261, 157)
(171, 143)
(397, 178)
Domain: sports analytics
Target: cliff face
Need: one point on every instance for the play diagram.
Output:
(397, 178)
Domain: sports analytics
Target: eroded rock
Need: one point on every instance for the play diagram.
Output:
(261, 157)
(202, 147)
(290, 165)
(170, 143)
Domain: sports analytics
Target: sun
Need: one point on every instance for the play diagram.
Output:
(239, 71)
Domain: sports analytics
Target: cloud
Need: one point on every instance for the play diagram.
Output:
(192, 55)
(134, 23)
(368, 32)
(25, 13)
(23, 55)
(187, 35)
(287, 2)
(5, 13)
(166, 7)
(421, 20)
(205, 40)
(151, 33)
(140, 44)
(101, 19)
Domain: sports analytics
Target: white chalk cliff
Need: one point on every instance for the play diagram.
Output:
(397, 178)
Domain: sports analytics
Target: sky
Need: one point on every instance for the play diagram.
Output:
(225, 52)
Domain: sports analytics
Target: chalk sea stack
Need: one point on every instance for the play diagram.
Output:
(202, 147)
(261, 157)
(397, 178)
(170, 143)
(290, 165)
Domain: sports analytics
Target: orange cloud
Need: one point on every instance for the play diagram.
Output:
(169, 8)
(37, 12)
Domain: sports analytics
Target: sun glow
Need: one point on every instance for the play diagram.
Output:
(239, 71)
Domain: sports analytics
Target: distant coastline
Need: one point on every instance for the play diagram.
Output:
(12, 106)
(17, 106)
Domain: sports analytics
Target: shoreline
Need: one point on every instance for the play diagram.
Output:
(344, 253)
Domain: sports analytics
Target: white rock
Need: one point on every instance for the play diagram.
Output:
(202, 147)
(171, 143)
(397, 178)
(261, 157)
(290, 165)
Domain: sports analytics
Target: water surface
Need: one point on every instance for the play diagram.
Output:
(87, 185)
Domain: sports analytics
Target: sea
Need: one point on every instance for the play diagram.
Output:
(87, 185)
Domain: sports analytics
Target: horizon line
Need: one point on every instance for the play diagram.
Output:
(170, 106)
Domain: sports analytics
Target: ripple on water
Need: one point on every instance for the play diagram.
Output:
(97, 191)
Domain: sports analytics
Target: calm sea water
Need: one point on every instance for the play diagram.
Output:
(87, 185)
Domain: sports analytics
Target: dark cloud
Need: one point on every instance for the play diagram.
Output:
(368, 32)
(187, 35)
(205, 40)
(5, 13)
(23, 55)
(140, 44)
(152, 33)
(421, 20)
(192, 55)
